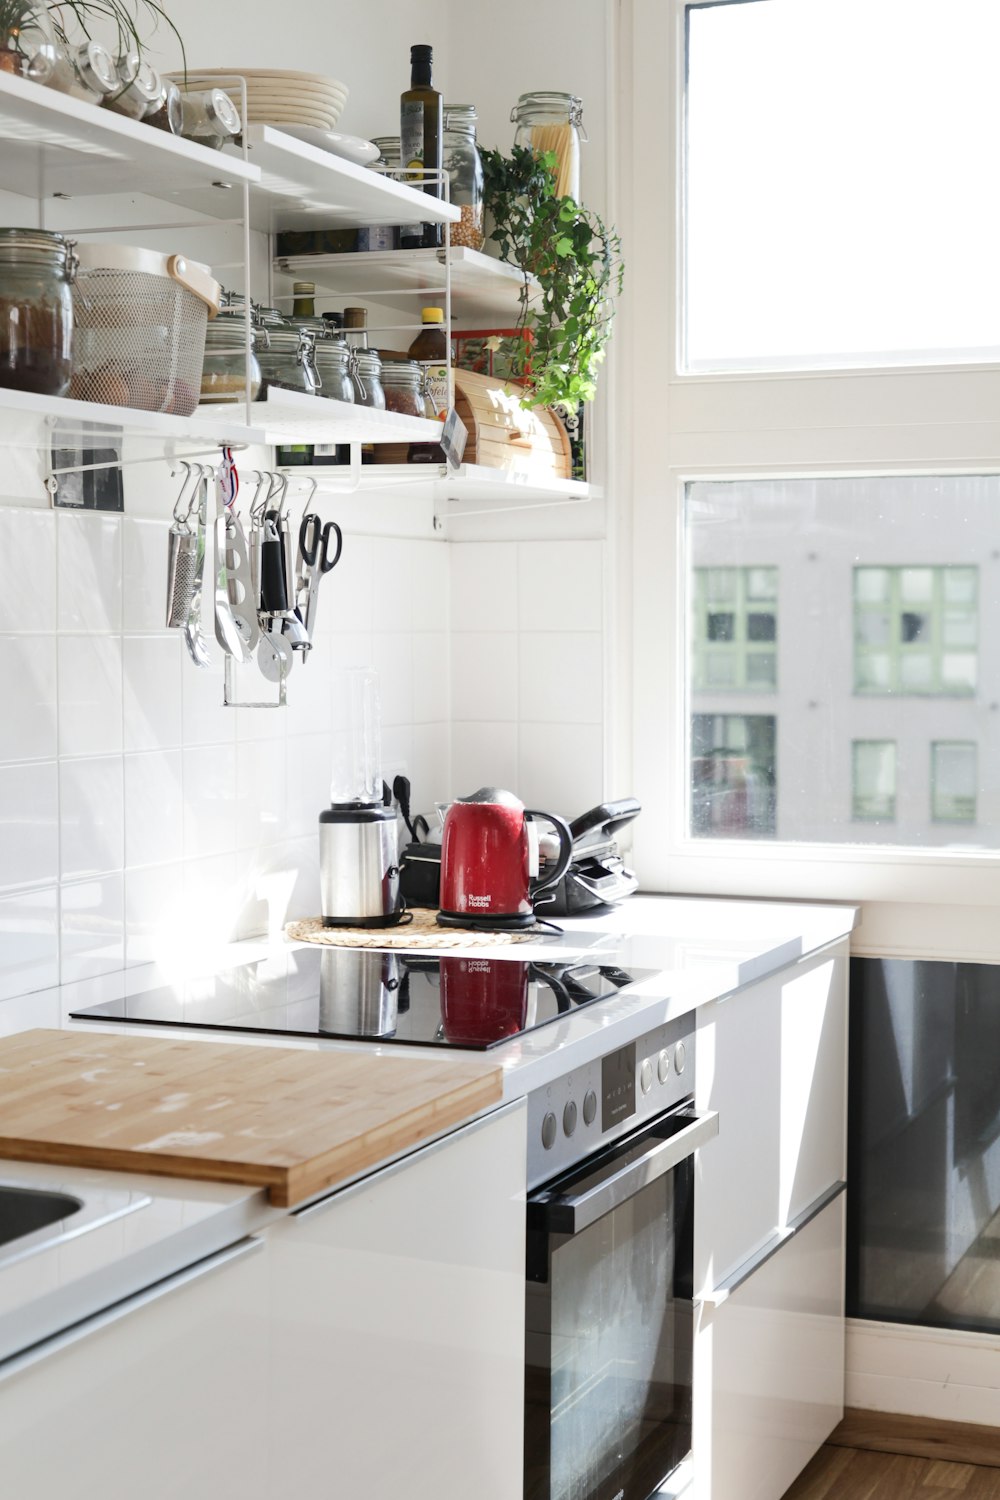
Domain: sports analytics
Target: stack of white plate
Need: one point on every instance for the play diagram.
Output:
(278, 96)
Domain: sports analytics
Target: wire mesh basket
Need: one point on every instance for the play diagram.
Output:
(139, 328)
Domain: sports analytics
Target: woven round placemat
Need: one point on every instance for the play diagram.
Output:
(422, 932)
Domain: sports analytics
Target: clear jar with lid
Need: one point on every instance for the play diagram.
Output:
(464, 166)
(138, 87)
(167, 113)
(37, 271)
(549, 121)
(368, 372)
(288, 362)
(86, 72)
(403, 380)
(389, 153)
(209, 117)
(335, 367)
(223, 375)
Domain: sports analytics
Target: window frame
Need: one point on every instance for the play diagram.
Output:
(941, 420)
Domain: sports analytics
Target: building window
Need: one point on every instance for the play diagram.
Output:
(954, 779)
(916, 630)
(735, 629)
(733, 775)
(873, 780)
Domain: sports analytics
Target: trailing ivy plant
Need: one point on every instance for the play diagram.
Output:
(577, 261)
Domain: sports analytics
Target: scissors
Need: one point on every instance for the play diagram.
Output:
(319, 552)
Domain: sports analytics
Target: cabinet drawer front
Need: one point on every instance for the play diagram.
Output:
(772, 1061)
(769, 1367)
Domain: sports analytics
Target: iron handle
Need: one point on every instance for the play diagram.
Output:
(570, 1213)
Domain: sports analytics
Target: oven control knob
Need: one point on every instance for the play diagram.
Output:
(549, 1131)
(679, 1057)
(589, 1107)
(646, 1076)
(663, 1065)
(569, 1117)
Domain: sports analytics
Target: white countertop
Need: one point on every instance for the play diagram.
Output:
(700, 950)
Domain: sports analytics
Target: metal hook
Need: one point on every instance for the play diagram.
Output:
(314, 486)
(182, 505)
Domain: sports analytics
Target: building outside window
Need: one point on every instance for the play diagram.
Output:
(954, 780)
(873, 780)
(732, 775)
(916, 630)
(735, 628)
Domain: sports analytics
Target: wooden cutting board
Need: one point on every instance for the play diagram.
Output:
(291, 1121)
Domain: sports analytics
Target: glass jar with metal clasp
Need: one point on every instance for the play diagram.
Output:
(223, 376)
(368, 390)
(37, 272)
(334, 364)
(550, 121)
(288, 363)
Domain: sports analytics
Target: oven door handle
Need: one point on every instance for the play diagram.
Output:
(569, 1213)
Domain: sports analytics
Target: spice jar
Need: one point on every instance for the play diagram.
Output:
(334, 365)
(553, 122)
(223, 376)
(138, 87)
(368, 373)
(37, 271)
(403, 381)
(288, 362)
(389, 153)
(86, 72)
(464, 166)
(167, 113)
(209, 117)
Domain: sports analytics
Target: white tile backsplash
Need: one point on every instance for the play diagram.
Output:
(89, 549)
(90, 695)
(29, 824)
(28, 688)
(91, 817)
(141, 819)
(27, 571)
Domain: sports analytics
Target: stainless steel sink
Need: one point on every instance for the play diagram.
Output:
(34, 1218)
(26, 1210)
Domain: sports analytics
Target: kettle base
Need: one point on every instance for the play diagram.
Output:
(385, 919)
(475, 922)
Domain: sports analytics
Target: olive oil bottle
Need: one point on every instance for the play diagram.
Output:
(421, 141)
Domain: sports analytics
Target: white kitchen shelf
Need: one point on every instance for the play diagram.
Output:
(57, 146)
(302, 187)
(92, 425)
(292, 417)
(485, 292)
(469, 490)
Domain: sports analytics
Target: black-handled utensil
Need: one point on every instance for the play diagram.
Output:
(401, 792)
(316, 542)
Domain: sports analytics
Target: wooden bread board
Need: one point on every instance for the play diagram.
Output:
(502, 435)
(291, 1121)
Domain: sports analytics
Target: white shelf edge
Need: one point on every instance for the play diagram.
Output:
(472, 482)
(206, 424)
(293, 417)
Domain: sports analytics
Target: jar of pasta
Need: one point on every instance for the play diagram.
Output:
(549, 121)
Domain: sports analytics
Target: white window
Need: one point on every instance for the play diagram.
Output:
(811, 352)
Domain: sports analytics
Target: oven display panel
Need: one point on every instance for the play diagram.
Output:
(618, 1086)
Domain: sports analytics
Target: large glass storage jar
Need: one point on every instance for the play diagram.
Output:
(37, 271)
(333, 364)
(86, 72)
(223, 376)
(403, 381)
(368, 372)
(139, 87)
(209, 117)
(464, 166)
(548, 121)
(289, 361)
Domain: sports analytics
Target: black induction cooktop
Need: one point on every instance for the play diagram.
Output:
(466, 1000)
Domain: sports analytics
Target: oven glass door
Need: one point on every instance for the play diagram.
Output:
(609, 1318)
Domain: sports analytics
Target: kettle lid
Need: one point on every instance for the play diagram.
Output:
(496, 796)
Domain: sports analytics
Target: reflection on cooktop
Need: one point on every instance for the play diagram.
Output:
(469, 1001)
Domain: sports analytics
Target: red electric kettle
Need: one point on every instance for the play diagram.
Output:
(490, 864)
(483, 1000)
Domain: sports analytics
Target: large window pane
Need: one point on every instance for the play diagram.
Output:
(870, 717)
(840, 156)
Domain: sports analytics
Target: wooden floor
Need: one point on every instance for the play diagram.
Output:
(857, 1474)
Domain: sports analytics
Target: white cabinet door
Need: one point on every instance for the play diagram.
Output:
(163, 1397)
(397, 1306)
(769, 1367)
(772, 1061)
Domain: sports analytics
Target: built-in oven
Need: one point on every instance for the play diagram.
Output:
(609, 1312)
